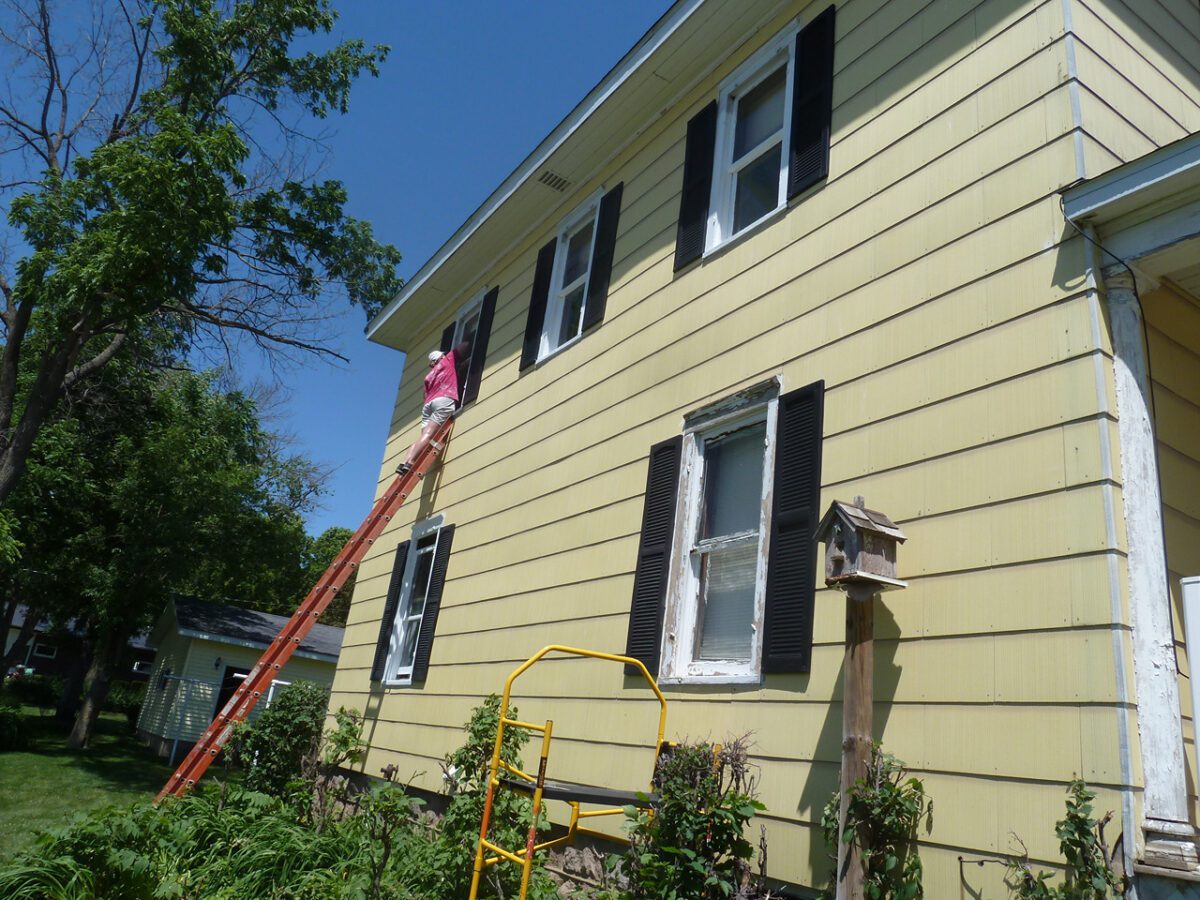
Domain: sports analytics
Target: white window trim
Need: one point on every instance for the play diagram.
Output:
(39, 646)
(148, 664)
(472, 305)
(759, 404)
(393, 674)
(552, 321)
(746, 76)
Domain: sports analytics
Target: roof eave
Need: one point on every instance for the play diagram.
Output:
(670, 21)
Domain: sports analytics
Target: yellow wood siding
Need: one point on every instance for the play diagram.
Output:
(934, 286)
(1138, 67)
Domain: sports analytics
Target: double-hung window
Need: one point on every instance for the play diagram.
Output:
(724, 585)
(410, 613)
(468, 334)
(466, 330)
(753, 136)
(763, 141)
(569, 283)
(715, 604)
(571, 277)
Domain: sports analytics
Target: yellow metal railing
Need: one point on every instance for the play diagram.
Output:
(524, 856)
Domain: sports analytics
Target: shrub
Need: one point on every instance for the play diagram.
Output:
(35, 690)
(692, 842)
(1090, 872)
(445, 866)
(126, 697)
(885, 811)
(272, 747)
(12, 729)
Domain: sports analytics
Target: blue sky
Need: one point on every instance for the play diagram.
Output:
(469, 90)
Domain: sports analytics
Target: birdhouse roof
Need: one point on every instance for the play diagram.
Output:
(861, 519)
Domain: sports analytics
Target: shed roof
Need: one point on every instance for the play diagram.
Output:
(249, 627)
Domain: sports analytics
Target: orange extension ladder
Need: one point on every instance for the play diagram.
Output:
(300, 624)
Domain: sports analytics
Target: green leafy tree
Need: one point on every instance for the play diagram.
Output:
(157, 172)
(318, 556)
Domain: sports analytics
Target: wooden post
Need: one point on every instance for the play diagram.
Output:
(857, 724)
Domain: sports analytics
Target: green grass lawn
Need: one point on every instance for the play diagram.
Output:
(47, 784)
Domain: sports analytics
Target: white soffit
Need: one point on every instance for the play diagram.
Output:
(535, 163)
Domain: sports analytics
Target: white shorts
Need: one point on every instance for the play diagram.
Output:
(437, 410)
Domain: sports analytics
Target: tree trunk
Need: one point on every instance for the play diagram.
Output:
(95, 688)
(68, 703)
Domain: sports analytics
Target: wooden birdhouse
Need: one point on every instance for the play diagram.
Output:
(860, 546)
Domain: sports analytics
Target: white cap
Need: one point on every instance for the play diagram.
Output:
(435, 355)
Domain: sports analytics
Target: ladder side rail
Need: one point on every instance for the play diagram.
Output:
(300, 624)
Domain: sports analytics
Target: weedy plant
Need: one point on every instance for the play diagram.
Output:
(692, 841)
(885, 812)
(1091, 865)
(12, 732)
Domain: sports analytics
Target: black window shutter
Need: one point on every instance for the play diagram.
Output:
(389, 612)
(433, 603)
(537, 304)
(697, 186)
(654, 556)
(479, 349)
(448, 338)
(791, 568)
(602, 257)
(812, 104)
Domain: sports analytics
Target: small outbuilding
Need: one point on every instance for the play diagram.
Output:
(203, 651)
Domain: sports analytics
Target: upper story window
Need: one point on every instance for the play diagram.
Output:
(753, 135)
(409, 620)
(571, 278)
(569, 282)
(762, 142)
(468, 336)
(726, 570)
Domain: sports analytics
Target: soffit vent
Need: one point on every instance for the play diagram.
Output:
(554, 181)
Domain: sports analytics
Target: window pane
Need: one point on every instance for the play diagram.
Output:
(727, 603)
(572, 315)
(579, 249)
(757, 188)
(759, 113)
(733, 479)
(420, 583)
(408, 648)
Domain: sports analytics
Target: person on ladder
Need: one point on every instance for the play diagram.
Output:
(441, 398)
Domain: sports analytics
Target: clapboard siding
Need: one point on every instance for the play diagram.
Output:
(1136, 61)
(933, 285)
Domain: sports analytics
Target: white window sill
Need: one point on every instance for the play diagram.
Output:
(398, 683)
(742, 678)
(559, 349)
(753, 228)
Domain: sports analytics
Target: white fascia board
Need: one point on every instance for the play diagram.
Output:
(253, 645)
(1156, 176)
(618, 75)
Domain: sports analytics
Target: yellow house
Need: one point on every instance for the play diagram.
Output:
(938, 253)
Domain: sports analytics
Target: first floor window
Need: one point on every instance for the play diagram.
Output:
(411, 609)
(715, 599)
(725, 578)
(142, 666)
(45, 651)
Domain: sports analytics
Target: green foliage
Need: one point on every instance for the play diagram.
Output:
(273, 746)
(41, 691)
(126, 697)
(692, 842)
(884, 813)
(219, 842)
(1090, 873)
(445, 864)
(318, 556)
(12, 732)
